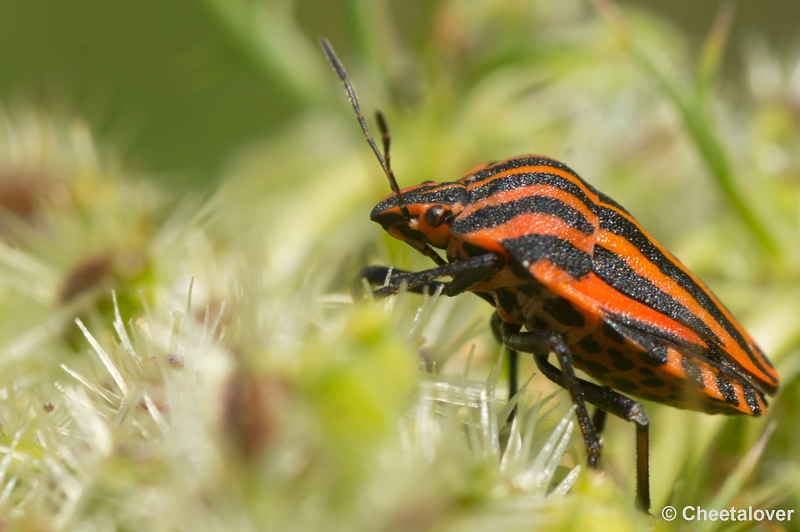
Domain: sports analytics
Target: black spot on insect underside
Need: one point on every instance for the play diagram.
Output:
(614, 354)
(652, 397)
(563, 312)
(590, 345)
(619, 360)
(595, 367)
(624, 385)
(623, 364)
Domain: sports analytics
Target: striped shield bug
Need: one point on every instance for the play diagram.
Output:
(570, 272)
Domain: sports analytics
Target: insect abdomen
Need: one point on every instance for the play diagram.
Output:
(662, 373)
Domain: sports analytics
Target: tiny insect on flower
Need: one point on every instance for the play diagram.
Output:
(573, 268)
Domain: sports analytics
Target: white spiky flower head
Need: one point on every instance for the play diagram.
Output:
(168, 422)
(72, 227)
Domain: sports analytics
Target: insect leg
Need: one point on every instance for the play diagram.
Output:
(513, 356)
(541, 343)
(466, 274)
(607, 400)
(513, 374)
(379, 275)
(599, 420)
(470, 272)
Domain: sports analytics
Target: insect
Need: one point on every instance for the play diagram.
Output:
(570, 272)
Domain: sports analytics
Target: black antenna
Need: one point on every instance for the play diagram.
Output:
(351, 95)
(387, 140)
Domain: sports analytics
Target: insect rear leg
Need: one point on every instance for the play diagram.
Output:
(599, 424)
(541, 343)
(605, 399)
(599, 420)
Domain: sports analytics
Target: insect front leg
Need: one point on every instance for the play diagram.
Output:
(466, 274)
(385, 275)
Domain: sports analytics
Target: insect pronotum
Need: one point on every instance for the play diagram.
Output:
(576, 271)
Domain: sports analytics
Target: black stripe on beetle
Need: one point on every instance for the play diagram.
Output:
(494, 215)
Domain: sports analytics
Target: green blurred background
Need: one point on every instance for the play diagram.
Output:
(168, 87)
(228, 98)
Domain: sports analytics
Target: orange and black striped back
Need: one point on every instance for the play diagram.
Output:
(588, 284)
(640, 321)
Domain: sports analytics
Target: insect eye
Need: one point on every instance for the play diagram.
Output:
(434, 216)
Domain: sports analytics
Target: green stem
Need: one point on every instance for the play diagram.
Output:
(690, 105)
